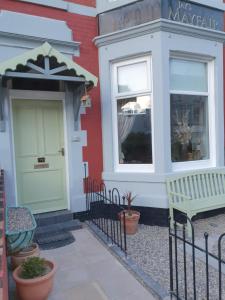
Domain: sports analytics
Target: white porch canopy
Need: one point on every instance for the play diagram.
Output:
(46, 63)
(10, 67)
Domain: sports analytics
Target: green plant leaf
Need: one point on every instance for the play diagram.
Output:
(33, 267)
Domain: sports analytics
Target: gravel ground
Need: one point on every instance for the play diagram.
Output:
(18, 219)
(149, 248)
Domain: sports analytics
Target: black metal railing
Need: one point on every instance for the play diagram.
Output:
(195, 271)
(105, 210)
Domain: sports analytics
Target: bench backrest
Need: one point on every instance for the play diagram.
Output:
(196, 185)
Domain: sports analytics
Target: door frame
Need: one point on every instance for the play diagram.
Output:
(40, 95)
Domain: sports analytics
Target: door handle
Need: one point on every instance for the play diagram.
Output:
(62, 151)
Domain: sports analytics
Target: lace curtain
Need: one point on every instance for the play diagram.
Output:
(125, 124)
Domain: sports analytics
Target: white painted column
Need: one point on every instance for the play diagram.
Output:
(219, 106)
(161, 109)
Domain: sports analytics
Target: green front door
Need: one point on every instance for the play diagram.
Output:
(39, 154)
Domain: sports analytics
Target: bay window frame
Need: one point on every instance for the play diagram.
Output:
(142, 168)
(211, 161)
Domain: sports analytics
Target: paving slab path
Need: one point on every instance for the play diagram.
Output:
(88, 271)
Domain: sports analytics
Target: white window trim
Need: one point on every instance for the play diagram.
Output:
(145, 59)
(211, 162)
(139, 168)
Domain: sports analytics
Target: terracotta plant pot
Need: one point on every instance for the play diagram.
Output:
(19, 257)
(36, 288)
(131, 221)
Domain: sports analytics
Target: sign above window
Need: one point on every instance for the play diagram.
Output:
(193, 14)
(144, 11)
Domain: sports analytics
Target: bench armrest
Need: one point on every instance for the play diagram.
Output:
(180, 195)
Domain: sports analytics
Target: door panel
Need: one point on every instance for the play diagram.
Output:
(40, 167)
(23, 117)
(42, 186)
(52, 131)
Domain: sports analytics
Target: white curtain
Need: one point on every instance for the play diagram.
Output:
(125, 124)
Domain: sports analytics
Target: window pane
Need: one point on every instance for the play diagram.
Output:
(132, 78)
(189, 128)
(134, 130)
(188, 76)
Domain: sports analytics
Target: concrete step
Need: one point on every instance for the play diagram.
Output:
(66, 226)
(54, 239)
(53, 229)
(53, 217)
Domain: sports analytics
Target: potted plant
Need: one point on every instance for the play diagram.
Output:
(19, 257)
(131, 216)
(34, 278)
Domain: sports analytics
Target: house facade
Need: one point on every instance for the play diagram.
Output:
(154, 72)
(161, 78)
(48, 63)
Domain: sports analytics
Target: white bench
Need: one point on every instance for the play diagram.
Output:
(195, 192)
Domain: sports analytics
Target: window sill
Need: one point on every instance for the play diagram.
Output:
(192, 165)
(135, 168)
(139, 177)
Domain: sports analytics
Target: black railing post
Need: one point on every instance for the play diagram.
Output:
(176, 260)
(117, 223)
(220, 265)
(111, 224)
(125, 233)
(185, 262)
(193, 258)
(85, 185)
(120, 226)
(171, 259)
(207, 265)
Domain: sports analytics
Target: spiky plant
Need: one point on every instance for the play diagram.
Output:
(129, 198)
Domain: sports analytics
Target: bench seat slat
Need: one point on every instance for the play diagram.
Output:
(212, 183)
(192, 187)
(199, 180)
(220, 181)
(208, 184)
(196, 195)
(216, 177)
(204, 185)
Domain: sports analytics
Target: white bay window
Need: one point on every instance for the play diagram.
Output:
(189, 97)
(132, 110)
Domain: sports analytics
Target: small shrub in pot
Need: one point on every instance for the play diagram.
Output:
(33, 267)
(34, 278)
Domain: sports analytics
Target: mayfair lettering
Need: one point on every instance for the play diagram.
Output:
(184, 13)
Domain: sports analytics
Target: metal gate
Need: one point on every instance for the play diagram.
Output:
(197, 269)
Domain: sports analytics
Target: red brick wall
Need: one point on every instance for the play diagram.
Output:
(84, 29)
